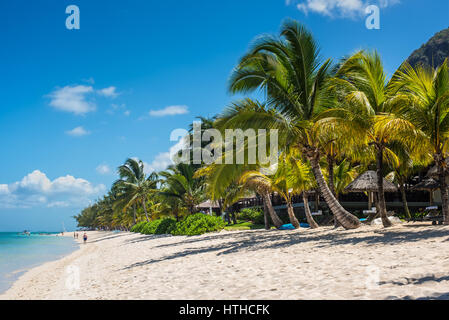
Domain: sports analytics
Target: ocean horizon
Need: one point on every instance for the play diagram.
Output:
(19, 253)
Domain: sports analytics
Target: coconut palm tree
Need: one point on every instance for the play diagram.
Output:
(409, 163)
(133, 188)
(428, 108)
(180, 183)
(289, 71)
(366, 113)
(265, 185)
(219, 177)
(344, 173)
(300, 180)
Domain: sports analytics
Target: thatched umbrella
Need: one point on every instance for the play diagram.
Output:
(367, 182)
(427, 184)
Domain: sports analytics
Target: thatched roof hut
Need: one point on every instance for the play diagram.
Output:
(426, 184)
(208, 204)
(368, 182)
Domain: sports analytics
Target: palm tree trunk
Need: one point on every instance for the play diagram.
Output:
(330, 168)
(134, 213)
(309, 216)
(266, 217)
(404, 200)
(291, 214)
(380, 189)
(374, 215)
(234, 218)
(274, 217)
(228, 217)
(347, 220)
(145, 210)
(444, 196)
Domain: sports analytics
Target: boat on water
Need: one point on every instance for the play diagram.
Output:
(25, 233)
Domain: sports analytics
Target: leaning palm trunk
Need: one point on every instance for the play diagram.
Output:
(444, 195)
(309, 216)
(347, 220)
(274, 217)
(145, 210)
(380, 190)
(134, 213)
(291, 214)
(330, 163)
(404, 200)
(266, 217)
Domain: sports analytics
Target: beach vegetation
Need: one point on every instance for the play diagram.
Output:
(197, 224)
(334, 121)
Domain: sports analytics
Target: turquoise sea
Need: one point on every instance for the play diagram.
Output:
(19, 253)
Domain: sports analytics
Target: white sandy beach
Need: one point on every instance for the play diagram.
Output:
(408, 261)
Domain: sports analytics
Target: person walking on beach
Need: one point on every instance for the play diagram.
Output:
(85, 237)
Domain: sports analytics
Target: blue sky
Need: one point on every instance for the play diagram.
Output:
(76, 103)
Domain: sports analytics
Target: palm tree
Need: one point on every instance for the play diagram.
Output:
(219, 177)
(366, 113)
(263, 185)
(288, 70)
(133, 188)
(409, 163)
(428, 91)
(181, 184)
(300, 180)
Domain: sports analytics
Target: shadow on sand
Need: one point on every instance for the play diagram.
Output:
(262, 239)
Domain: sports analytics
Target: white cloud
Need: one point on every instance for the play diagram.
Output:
(164, 159)
(58, 204)
(73, 99)
(78, 132)
(36, 189)
(103, 169)
(339, 8)
(109, 92)
(160, 162)
(127, 113)
(169, 111)
(4, 189)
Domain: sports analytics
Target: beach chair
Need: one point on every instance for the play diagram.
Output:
(318, 213)
(433, 215)
(368, 212)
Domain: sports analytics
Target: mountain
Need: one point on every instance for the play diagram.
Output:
(433, 52)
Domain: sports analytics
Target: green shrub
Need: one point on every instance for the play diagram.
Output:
(151, 227)
(166, 226)
(252, 214)
(197, 224)
(138, 227)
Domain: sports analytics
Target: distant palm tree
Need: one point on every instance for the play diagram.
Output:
(180, 184)
(300, 181)
(220, 177)
(428, 109)
(289, 72)
(134, 188)
(264, 186)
